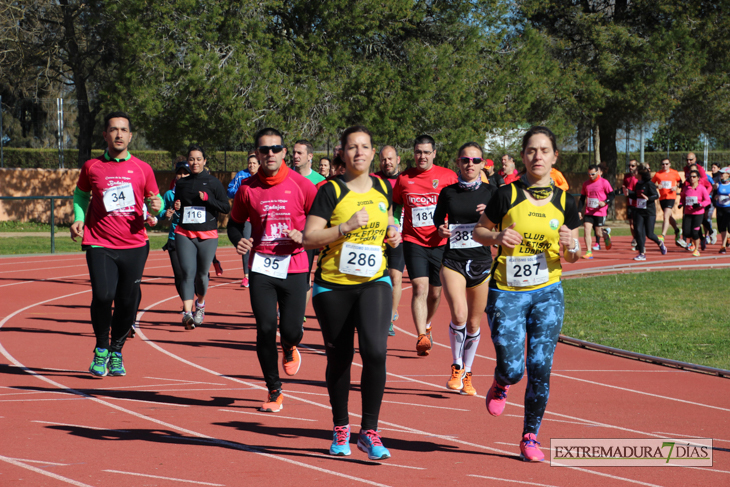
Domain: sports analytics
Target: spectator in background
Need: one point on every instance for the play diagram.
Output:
(694, 199)
(628, 184)
(324, 167)
(252, 169)
(509, 172)
(492, 177)
(644, 194)
(668, 181)
(302, 156)
(722, 203)
(596, 195)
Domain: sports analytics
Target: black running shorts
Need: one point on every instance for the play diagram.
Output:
(423, 262)
(476, 272)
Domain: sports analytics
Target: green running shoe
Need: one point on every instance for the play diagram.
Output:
(116, 365)
(98, 366)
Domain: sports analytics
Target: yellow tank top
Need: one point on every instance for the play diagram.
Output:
(535, 263)
(358, 256)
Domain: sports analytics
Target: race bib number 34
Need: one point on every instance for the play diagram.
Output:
(118, 197)
(271, 265)
(423, 216)
(529, 270)
(461, 236)
(194, 214)
(360, 260)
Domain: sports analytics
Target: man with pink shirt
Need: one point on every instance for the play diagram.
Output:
(109, 215)
(595, 196)
(277, 201)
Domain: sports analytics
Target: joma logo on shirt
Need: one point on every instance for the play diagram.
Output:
(363, 203)
(532, 213)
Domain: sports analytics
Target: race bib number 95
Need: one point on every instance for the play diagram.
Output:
(271, 265)
(529, 270)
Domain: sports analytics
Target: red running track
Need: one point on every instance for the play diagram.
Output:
(186, 413)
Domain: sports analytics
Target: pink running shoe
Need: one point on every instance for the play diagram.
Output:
(244, 281)
(529, 449)
(496, 398)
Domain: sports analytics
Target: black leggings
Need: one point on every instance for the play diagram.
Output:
(195, 256)
(177, 269)
(644, 228)
(115, 278)
(291, 295)
(692, 226)
(366, 308)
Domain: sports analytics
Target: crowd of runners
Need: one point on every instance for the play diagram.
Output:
(491, 241)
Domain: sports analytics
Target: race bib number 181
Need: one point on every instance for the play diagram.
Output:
(423, 216)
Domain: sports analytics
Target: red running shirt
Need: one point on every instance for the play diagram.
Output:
(272, 209)
(418, 192)
(121, 228)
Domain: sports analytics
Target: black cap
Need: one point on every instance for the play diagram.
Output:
(182, 165)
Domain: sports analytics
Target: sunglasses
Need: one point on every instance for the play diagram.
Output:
(693, 177)
(632, 166)
(264, 149)
(473, 160)
(665, 163)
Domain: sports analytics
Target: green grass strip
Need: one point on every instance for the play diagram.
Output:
(679, 315)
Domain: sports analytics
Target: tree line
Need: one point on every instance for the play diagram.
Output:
(216, 71)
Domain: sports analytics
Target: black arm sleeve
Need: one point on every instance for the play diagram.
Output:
(235, 231)
(219, 201)
(439, 214)
(610, 198)
(582, 203)
(652, 192)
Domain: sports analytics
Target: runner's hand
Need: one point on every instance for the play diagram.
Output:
(358, 220)
(566, 237)
(393, 237)
(481, 207)
(177, 205)
(444, 231)
(77, 230)
(169, 213)
(295, 235)
(244, 245)
(601, 204)
(509, 237)
(154, 203)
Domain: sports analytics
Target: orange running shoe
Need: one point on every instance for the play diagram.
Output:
(456, 382)
(291, 361)
(273, 403)
(423, 345)
(468, 389)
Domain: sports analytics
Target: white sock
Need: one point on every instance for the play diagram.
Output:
(470, 349)
(457, 336)
(199, 304)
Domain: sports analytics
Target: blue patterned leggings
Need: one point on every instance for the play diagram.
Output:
(538, 316)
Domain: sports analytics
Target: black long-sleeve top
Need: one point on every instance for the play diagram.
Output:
(187, 190)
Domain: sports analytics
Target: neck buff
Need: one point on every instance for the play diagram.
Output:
(274, 180)
(539, 193)
(473, 186)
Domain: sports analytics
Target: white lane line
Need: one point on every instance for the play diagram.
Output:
(621, 388)
(672, 435)
(426, 406)
(311, 393)
(509, 480)
(38, 400)
(708, 469)
(163, 478)
(668, 371)
(42, 472)
(41, 462)
(194, 434)
(77, 426)
(270, 415)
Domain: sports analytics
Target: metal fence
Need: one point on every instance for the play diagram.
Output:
(53, 207)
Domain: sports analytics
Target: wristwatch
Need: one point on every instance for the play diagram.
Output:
(576, 246)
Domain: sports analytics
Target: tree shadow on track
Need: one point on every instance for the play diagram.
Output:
(233, 345)
(10, 370)
(148, 396)
(84, 282)
(324, 436)
(46, 331)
